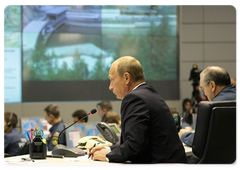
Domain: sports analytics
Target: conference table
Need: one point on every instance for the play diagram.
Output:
(25, 160)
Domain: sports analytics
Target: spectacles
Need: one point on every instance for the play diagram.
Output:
(202, 89)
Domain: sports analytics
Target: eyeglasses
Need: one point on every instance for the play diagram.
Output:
(202, 89)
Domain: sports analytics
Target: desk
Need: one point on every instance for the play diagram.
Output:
(67, 160)
(53, 161)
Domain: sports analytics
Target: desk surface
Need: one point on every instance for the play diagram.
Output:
(66, 160)
(51, 161)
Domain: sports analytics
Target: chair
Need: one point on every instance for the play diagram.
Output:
(215, 135)
(25, 149)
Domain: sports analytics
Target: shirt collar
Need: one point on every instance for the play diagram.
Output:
(55, 125)
(138, 85)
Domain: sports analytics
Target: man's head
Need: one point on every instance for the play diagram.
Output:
(79, 114)
(10, 121)
(212, 80)
(124, 74)
(112, 117)
(52, 114)
(103, 108)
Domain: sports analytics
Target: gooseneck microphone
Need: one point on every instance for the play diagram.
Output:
(62, 150)
(93, 111)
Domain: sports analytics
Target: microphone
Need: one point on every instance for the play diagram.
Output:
(93, 111)
(63, 150)
(195, 106)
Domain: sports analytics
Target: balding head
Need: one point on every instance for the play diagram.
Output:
(217, 74)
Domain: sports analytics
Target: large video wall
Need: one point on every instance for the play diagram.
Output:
(63, 53)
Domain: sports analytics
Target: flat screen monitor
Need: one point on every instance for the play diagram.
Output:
(91, 130)
(45, 126)
(74, 133)
(31, 123)
(27, 124)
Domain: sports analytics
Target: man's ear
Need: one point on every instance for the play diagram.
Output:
(212, 85)
(51, 116)
(127, 77)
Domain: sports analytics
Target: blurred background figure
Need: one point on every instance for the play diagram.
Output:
(79, 114)
(233, 81)
(176, 118)
(187, 113)
(52, 115)
(103, 108)
(13, 139)
(112, 117)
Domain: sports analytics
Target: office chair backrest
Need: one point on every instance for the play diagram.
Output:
(215, 132)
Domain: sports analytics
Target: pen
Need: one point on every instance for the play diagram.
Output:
(29, 137)
(26, 159)
(90, 151)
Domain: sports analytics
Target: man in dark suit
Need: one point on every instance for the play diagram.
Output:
(149, 133)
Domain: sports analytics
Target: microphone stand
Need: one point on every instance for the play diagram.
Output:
(64, 148)
(70, 126)
(91, 112)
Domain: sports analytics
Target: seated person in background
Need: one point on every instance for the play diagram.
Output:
(187, 113)
(13, 139)
(176, 118)
(112, 117)
(103, 108)
(52, 115)
(233, 81)
(148, 133)
(216, 85)
(79, 114)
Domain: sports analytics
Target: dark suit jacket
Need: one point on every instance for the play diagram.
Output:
(149, 134)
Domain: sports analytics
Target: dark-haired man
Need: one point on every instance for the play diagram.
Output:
(79, 114)
(13, 139)
(103, 108)
(52, 115)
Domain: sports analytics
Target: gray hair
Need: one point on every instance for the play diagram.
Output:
(217, 74)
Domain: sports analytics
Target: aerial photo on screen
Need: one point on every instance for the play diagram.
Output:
(81, 42)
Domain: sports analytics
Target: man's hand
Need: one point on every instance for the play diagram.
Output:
(91, 149)
(100, 155)
(182, 131)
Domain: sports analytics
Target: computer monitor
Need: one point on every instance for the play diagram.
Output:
(74, 133)
(45, 126)
(91, 129)
(31, 123)
(27, 124)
